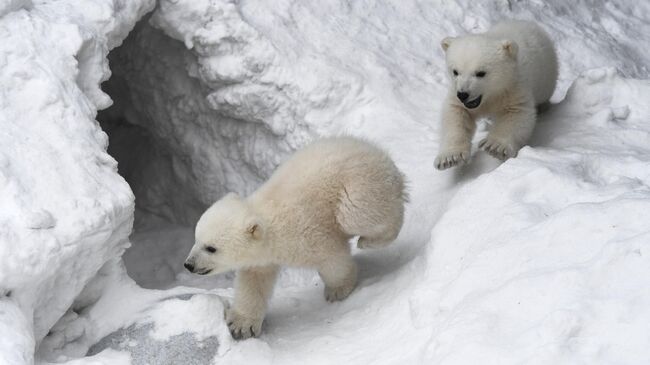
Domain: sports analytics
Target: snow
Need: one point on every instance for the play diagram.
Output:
(541, 259)
(65, 212)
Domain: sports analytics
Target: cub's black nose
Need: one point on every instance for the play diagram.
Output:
(462, 96)
(189, 267)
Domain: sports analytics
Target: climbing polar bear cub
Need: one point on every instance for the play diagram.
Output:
(304, 215)
(503, 74)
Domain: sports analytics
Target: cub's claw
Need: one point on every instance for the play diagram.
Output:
(497, 149)
(446, 160)
(242, 327)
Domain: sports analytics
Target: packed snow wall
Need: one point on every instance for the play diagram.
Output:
(65, 212)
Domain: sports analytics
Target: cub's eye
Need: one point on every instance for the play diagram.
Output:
(455, 73)
(480, 74)
(210, 249)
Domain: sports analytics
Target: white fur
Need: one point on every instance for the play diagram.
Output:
(521, 71)
(304, 215)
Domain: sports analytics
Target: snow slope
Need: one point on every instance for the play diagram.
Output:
(538, 260)
(553, 268)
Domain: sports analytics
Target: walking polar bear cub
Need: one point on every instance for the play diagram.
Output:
(304, 215)
(503, 74)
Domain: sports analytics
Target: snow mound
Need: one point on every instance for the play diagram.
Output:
(65, 211)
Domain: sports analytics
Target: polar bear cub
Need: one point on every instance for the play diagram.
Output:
(304, 215)
(503, 74)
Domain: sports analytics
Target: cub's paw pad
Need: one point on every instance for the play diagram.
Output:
(449, 159)
(498, 149)
(338, 293)
(242, 327)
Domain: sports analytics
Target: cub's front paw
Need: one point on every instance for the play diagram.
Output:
(451, 158)
(242, 327)
(498, 149)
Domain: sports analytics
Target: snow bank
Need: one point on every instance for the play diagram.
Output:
(65, 211)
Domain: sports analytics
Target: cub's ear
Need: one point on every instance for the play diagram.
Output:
(445, 43)
(510, 48)
(254, 229)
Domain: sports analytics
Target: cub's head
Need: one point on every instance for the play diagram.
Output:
(480, 67)
(228, 236)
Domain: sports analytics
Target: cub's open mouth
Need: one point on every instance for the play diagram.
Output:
(473, 103)
(205, 272)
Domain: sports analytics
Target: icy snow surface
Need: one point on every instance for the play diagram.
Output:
(543, 259)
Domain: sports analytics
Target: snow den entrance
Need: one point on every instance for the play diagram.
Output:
(178, 151)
